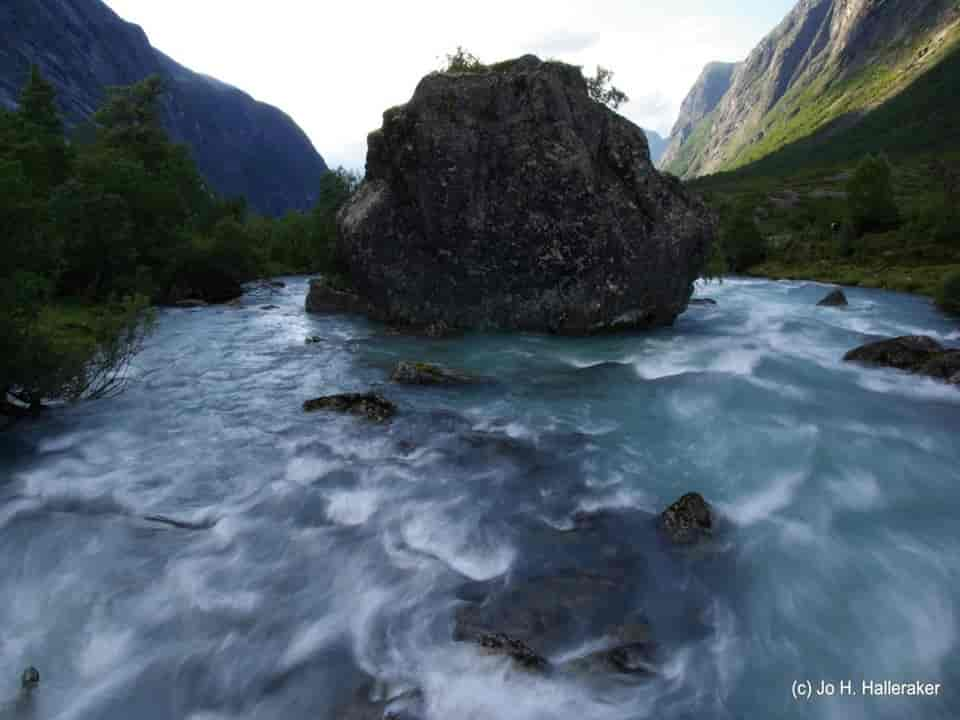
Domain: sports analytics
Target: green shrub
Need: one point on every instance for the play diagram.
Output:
(742, 243)
(462, 61)
(870, 202)
(948, 296)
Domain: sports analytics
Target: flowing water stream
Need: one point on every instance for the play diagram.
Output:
(201, 548)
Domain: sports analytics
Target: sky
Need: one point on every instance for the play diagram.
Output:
(334, 67)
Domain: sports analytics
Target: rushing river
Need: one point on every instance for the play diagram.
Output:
(201, 548)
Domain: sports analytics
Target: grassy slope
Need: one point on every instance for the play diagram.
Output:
(798, 189)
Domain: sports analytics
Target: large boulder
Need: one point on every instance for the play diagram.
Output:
(508, 198)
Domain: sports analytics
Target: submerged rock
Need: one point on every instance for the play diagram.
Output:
(417, 373)
(915, 354)
(370, 405)
(688, 520)
(326, 296)
(837, 298)
(634, 653)
(544, 612)
(313, 340)
(703, 301)
(30, 678)
(375, 701)
(509, 199)
(500, 644)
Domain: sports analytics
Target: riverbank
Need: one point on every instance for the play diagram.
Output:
(918, 280)
(802, 217)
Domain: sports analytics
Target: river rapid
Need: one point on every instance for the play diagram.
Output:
(201, 548)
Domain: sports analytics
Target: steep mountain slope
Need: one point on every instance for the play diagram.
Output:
(825, 67)
(657, 144)
(707, 92)
(241, 146)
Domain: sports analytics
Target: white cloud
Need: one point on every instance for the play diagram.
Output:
(335, 67)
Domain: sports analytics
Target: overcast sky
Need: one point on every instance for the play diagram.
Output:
(336, 66)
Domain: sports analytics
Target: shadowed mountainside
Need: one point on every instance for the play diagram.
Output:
(241, 146)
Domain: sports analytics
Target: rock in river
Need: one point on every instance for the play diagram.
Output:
(916, 354)
(418, 373)
(508, 198)
(688, 520)
(837, 298)
(326, 296)
(369, 405)
(30, 678)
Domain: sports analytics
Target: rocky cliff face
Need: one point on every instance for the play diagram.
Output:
(241, 146)
(707, 92)
(509, 199)
(828, 61)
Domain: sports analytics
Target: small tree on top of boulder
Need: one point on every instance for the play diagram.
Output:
(600, 88)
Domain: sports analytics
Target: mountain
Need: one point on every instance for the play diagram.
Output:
(824, 70)
(241, 146)
(657, 144)
(707, 92)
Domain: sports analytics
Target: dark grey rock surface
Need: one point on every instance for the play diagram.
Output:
(509, 199)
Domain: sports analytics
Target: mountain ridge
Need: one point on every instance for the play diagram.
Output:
(828, 63)
(241, 146)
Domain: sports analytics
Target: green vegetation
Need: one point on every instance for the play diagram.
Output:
(98, 228)
(832, 210)
(903, 101)
(808, 221)
(602, 91)
(741, 243)
(599, 86)
(870, 201)
(948, 294)
(462, 61)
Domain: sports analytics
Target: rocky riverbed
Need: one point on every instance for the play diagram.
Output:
(202, 547)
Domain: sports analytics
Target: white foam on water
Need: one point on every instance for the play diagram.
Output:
(464, 683)
(892, 382)
(468, 550)
(791, 392)
(311, 639)
(622, 498)
(106, 647)
(353, 507)
(856, 490)
(762, 504)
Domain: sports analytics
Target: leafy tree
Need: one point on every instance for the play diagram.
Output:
(742, 243)
(38, 104)
(335, 189)
(870, 202)
(600, 88)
